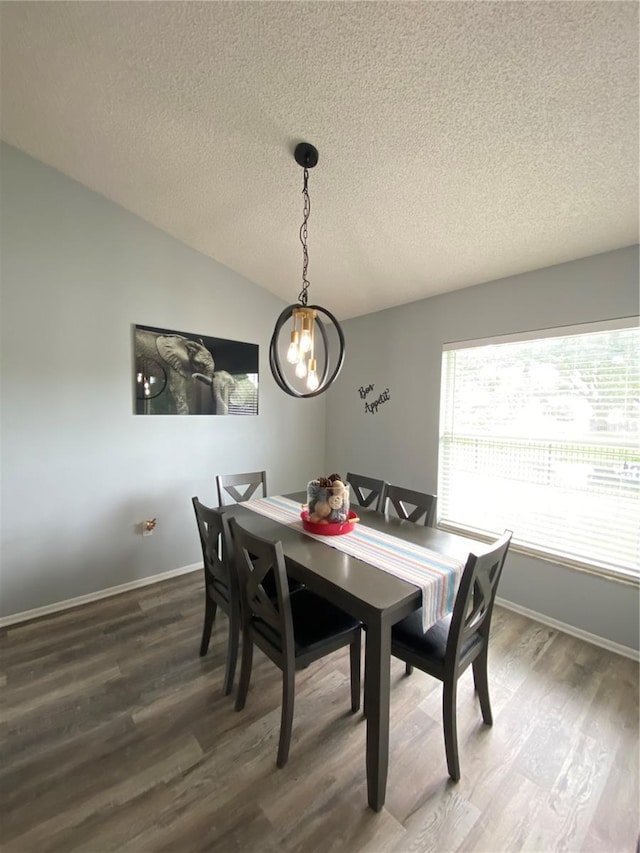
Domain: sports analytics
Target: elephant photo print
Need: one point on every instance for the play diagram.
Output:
(179, 373)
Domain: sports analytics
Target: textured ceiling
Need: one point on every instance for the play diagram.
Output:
(459, 142)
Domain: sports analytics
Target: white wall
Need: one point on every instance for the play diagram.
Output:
(400, 349)
(79, 469)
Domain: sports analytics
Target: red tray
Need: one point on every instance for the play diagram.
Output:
(329, 529)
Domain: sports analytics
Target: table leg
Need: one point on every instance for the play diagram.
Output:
(377, 686)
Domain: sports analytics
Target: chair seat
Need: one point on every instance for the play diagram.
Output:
(315, 620)
(433, 643)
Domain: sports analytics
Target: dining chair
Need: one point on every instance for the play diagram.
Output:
(367, 490)
(457, 641)
(293, 630)
(410, 505)
(220, 584)
(226, 485)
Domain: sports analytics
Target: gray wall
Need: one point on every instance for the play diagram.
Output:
(79, 470)
(400, 349)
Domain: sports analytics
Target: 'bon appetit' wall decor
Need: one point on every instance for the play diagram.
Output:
(372, 405)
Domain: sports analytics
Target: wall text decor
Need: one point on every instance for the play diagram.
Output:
(373, 406)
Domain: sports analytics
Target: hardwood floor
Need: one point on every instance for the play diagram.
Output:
(116, 736)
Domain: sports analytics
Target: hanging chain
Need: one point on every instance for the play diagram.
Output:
(302, 296)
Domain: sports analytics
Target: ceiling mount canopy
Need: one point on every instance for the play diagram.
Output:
(306, 155)
(308, 336)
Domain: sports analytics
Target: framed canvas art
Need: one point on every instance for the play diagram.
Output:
(182, 373)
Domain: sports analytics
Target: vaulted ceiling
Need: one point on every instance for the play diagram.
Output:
(459, 141)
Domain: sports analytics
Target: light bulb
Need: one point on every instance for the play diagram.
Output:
(305, 335)
(301, 369)
(292, 352)
(305, 340)
(139, 377)
(312, 378)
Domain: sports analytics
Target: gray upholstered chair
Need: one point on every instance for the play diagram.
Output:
(220, 584)
(457, 641)
(293, 629)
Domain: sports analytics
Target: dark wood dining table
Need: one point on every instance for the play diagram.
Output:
(377, 598)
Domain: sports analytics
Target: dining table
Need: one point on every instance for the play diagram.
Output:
(374, 596)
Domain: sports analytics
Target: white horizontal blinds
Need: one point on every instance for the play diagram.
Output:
(542, 437)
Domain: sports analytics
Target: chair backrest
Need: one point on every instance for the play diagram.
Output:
(410, 505)
(474, 602)
(257, 560)
(216, 567)
(368, 491)
(226, 484)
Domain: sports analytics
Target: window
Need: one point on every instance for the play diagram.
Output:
(539, 433)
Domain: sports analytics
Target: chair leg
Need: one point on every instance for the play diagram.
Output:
(232, 649)
(450, 727)
(286, 721)
(210, 608)
(481, 681)
(408, 668)
(355, 652)
(245, 671)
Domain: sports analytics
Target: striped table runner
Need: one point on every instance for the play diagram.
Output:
(436, 575)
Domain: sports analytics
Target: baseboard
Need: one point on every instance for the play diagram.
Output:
(68, 603)
(594, 639)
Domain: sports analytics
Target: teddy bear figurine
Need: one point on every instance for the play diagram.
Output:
(321, 513)
(339, 502)
(328, 500)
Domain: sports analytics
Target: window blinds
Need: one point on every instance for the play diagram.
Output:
(541, 436)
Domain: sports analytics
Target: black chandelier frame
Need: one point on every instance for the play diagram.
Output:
(306, 155)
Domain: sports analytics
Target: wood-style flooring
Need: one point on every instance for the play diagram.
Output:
(116, 736)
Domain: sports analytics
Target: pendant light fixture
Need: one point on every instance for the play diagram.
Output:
(307, 346)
